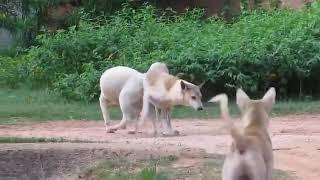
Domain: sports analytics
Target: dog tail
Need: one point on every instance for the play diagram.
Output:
(157, 68)
(154, 72)
(239, 139)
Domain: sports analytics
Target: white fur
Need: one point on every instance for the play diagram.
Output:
(121, 86)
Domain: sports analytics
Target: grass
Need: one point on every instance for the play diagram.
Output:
(20, 105)
(164, 169)
(41, 105)
(122, 169)
(31, 140)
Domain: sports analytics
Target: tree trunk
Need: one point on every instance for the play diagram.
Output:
(251, 4)
(300, 88)
(266, 4)
(235, 7)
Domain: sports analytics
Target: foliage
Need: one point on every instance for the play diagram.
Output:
(256, 50)
(79, 86)
(150, 173)
(10, 23)
(123, 169)
(102, 7)
(30, 17)
(13, 70)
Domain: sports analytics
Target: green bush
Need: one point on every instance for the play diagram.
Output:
(13, 70)
(255, 50)
(84, 86)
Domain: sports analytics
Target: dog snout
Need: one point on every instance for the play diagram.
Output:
(199, 108)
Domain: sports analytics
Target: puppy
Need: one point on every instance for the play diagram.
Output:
(250, 156)
(165, 91)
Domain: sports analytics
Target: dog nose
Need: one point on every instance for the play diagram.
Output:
(200, 108)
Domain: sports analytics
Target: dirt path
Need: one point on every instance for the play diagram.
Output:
(296, 139)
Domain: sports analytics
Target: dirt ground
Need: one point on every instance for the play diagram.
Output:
(295, 138)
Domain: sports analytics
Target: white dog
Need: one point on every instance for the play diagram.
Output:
(121, 86)
(250, 156)
(164, 91)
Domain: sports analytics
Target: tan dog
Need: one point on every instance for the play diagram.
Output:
(165, 91)
(250, 156)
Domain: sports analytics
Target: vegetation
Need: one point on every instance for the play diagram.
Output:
(24, 105)
(279, 48)
(161, 169)
(259, 49)
(57, 77)
(28, 18)
(122, 169)
(30, 140)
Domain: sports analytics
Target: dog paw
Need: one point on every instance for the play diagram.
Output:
(132, 132)
(172, 133)
(110, 130)
(154, 133)
(176, 132)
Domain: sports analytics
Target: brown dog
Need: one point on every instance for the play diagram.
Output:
(250, 156)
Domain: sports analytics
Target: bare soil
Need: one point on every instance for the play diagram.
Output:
(295, 138)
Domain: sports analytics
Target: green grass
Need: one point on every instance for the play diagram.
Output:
(121, 169)
(38, 140)
(20, 105)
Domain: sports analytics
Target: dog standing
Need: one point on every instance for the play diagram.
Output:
(250, 156)
(121, 86)
(164, 91)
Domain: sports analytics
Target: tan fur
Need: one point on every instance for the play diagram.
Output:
(159, 72)
(167, 79)
(170, 81)
(164, 91)
(251, 150)
(155, 71)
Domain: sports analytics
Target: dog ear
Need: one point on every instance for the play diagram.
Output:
(268, 99)
(242, 99)
(183, 85)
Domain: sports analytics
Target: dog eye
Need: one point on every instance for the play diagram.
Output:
(193, 97)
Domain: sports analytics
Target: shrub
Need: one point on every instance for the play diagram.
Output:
(13, 70)
(84, 86)
(254, 51)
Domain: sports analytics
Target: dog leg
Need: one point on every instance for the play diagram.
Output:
(136, 127)
(135, 121)
(154, 125)
(167, 122)
(174, 132)
(143, 115)
(164, 124)
(269, 169)
(105, 113)
(129, 105)
(121, 125)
